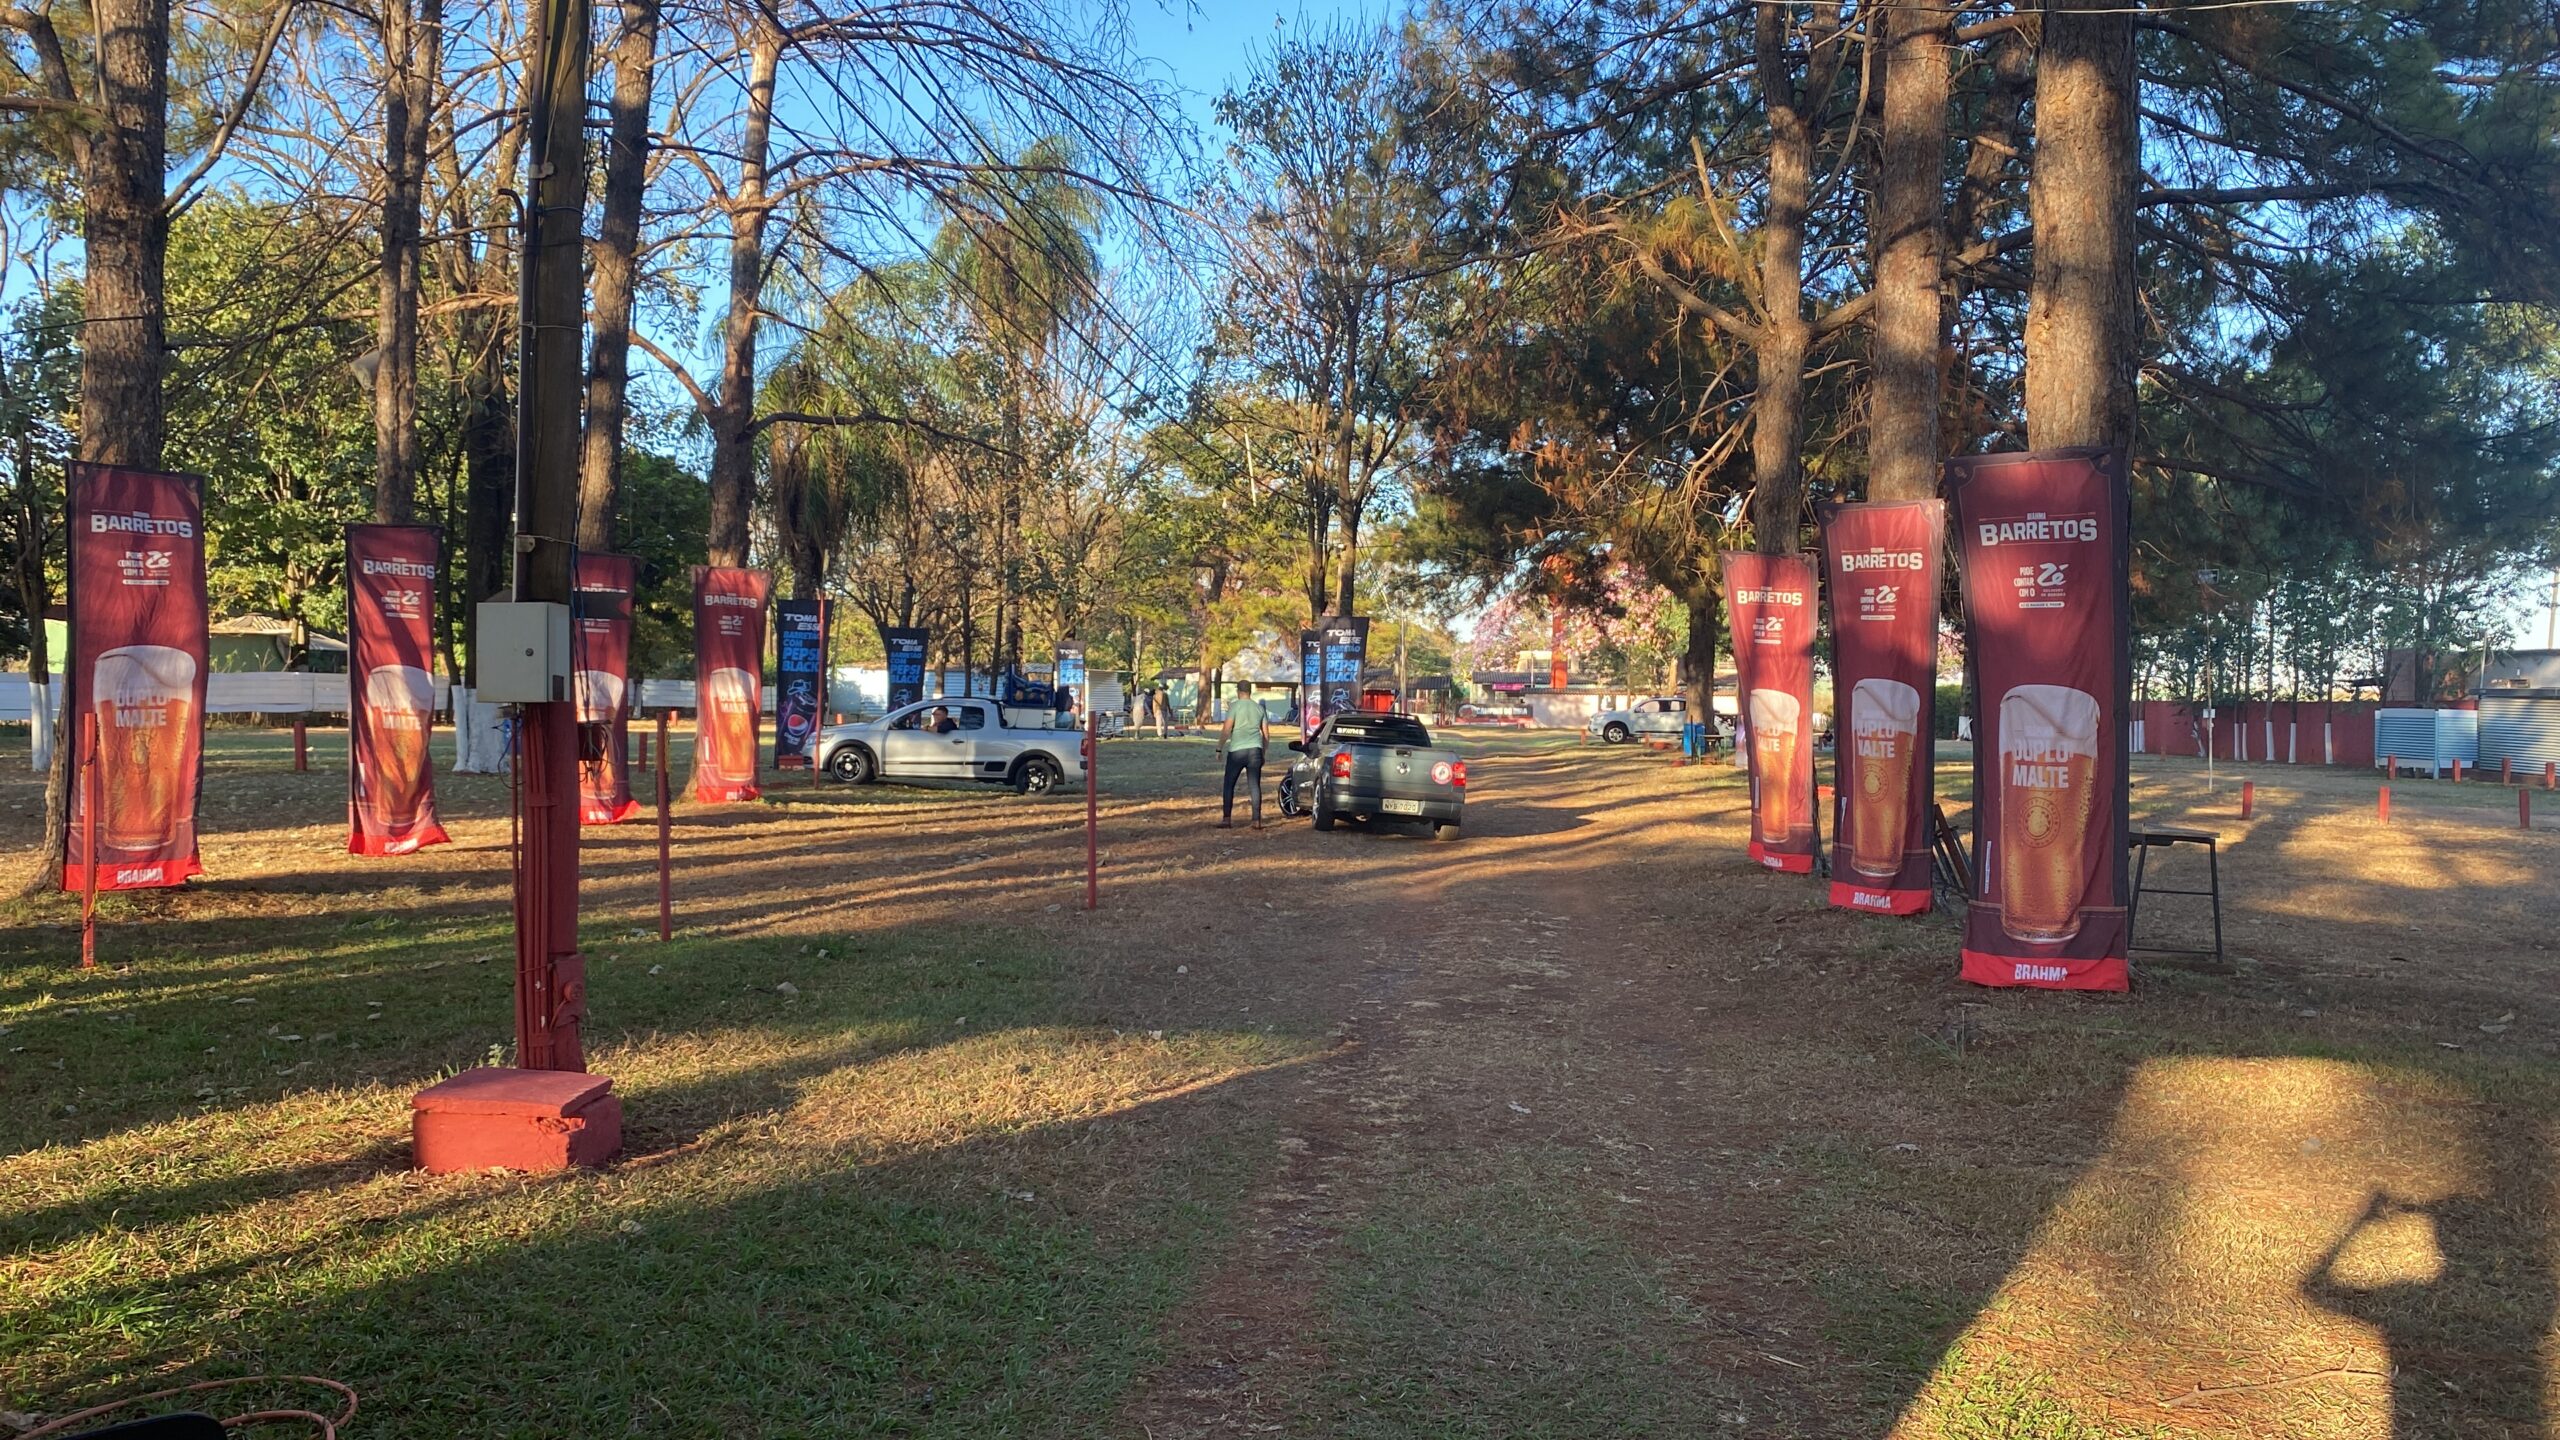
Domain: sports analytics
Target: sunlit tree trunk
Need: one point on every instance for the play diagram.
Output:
(125, 243)
(1910, 221)
(615, 274)
(1777, 404)
(2080, 353)
(733, 415)
(413, 51)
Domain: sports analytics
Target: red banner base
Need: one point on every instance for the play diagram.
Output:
(726, 794)
(132, 875)
(1874, 901)
(2106, 974)
(530, 1120)
(607, 814)
(359, 843)
(1781, 861)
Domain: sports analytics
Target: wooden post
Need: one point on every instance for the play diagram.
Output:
(2551, 774)
(2457, 769)
(2524, 809)
(89, 881)
(2391, 767)
(301, 747)
(2248, 797)
(666, 894)
(2506, 769)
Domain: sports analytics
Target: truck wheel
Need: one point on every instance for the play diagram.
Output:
(1615, 733)
(1036, 775)
(852, 764)
(1324, 814)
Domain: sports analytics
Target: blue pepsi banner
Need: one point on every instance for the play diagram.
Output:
(800, 680)
(1070, 676)
(906, 664)
(1310, 680)
(1345, 643)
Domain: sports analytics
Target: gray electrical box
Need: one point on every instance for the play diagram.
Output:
(523, 652)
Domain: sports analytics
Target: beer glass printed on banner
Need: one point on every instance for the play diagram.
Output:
(727, 725)
(144, 698)
(1776, 726)
(1884, 742)
(2048, 783)
(599, 697)
(400, 704)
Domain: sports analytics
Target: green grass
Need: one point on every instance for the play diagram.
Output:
(920, 1196)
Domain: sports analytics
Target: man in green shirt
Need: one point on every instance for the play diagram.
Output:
(1243, 738)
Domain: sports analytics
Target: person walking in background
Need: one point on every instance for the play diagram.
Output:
(1164, 711)
(1243, 738)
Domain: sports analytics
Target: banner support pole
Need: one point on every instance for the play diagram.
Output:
(1092, 812)
(89, 884)
(666, 900)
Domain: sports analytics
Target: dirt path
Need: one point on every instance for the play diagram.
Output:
(1525, 991)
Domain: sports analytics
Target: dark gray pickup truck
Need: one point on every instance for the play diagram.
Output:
(1362, 765)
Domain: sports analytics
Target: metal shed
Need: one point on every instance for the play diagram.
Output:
(2520, 728)
(2431, 738)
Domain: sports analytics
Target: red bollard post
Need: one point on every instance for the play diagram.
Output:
(301, 748)
(89, 881)
(2391, 766)
(2248, 797)
(2506, 769)
(2386, 804)
(666, 900)
(2524, 809)
(2457, 770)
(1092, 816)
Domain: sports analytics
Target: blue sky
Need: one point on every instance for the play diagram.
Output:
(1206, 47)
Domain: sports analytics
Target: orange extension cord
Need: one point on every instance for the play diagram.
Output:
(328, 1424)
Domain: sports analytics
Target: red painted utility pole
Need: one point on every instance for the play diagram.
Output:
(551, 990)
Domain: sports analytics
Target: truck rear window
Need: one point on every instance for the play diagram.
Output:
(1382, 730)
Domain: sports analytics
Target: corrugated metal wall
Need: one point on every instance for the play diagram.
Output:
(2521, 729)
(2429, 739)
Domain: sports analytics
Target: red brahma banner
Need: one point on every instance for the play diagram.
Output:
(728, 679)
(137, 670)
(1770, 598)
(391, 689)
(2044, 546)
(1883, 569)
(605, 585)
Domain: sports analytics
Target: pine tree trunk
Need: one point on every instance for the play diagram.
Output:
(616, 268)
(733, 419)
(2080, 339)
(1910, 229)
(412, 47)
(125, 244)
(1777, 405)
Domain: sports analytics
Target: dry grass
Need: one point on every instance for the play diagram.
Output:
(1580, 1126)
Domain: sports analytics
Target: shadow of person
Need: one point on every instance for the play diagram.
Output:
(2462, 1296)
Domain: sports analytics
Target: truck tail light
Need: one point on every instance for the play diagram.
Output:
(1458, 773)
(1341, 764)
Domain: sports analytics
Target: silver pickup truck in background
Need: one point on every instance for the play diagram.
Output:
(957, 739)
(1361, 765)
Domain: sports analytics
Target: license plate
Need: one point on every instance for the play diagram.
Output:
(1401, 807)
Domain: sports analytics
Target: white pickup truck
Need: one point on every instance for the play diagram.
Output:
(957, 739)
